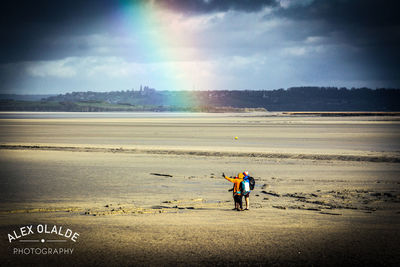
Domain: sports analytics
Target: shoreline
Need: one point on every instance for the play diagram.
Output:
(249, 112)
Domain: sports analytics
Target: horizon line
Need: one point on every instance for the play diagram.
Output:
(228, 90)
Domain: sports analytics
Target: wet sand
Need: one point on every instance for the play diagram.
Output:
(333, 198)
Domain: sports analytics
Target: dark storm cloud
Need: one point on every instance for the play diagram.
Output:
(30, 27)
(203, 6)
(370, 26)
(364, 22)
(369, 13)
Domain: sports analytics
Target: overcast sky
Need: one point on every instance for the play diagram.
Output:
(98, 45)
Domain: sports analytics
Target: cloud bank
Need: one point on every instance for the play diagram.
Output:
(62, 46)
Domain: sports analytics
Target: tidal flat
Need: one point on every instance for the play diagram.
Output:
(147, 189)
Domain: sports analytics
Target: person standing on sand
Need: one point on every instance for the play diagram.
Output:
(237, 194)
(246, 194)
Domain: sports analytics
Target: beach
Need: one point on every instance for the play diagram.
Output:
(147, 189)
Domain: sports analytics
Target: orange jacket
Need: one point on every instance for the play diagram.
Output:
(236, 182)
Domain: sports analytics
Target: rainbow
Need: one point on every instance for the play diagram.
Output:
(158, 33)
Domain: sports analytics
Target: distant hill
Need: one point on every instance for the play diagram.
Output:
(148, 99)
(24, 97)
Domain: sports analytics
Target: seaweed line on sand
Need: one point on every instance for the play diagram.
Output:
(382, 158)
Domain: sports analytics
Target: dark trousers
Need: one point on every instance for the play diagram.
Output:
(238, 199)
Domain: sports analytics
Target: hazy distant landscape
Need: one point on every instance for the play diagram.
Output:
(149, 99)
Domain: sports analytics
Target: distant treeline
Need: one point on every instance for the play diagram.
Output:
(292, 99)
(97, 106)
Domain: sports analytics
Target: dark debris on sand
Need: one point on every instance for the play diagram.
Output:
(366, 201)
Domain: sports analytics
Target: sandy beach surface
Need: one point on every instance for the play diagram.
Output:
(146, 189)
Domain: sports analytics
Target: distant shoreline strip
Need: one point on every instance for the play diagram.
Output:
(208, 153)
(341, 113)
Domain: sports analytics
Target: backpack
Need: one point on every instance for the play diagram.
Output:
(245, 187)
(252, 183)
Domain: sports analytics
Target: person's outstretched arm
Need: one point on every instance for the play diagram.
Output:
(227, 178)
